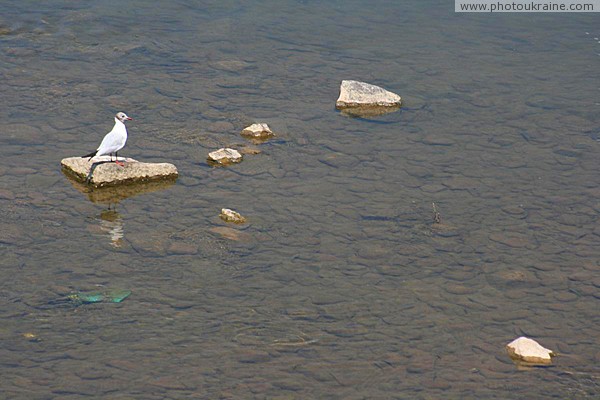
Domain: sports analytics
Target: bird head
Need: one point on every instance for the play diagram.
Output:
(121, 116)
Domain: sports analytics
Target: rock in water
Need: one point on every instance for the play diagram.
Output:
(224, 156)
(228, 215)
(364, 99)
(259, 131)
(115, 194)
(530, 351)
(354, 94)
(106, 173)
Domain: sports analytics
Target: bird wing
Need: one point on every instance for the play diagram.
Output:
(112, 142)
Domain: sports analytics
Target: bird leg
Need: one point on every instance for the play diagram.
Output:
(119, 163)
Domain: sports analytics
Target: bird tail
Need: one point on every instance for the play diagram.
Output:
(92, 154)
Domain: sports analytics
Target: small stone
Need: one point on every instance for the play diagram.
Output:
(510, 239)
(258, 131)
(437, 140)
(224, 156)
(253, 356)
(123, 365)
(231, 233)
(530, 351)
(228, 215)
(251, 150)
(221, 126)
(182, 248)
(231, 65)
(6, 194)
(168, 382)
(32, 337)
(110, 174)
(363, 99)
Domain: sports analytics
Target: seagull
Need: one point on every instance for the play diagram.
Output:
(114, 140)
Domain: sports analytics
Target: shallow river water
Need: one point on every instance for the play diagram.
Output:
(340, 286)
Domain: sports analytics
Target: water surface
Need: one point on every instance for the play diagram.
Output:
(340, 286)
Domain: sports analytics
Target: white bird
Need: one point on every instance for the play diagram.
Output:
(114, 140)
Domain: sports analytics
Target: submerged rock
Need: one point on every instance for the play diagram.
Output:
(4, 30)
(364, 100)
(260, 131)
(249, 149)
(228, 215)
(529, 351)
(101, 172)
(224, 156)
(231, 233)
(115, 194)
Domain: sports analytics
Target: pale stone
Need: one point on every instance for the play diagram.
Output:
(529, 350)
(361, 94)
(228, 215)
(258, 131)
(225, 156)
(108, 173)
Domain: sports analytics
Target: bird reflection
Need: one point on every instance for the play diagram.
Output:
(112, 224)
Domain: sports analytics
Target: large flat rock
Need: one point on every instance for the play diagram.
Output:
(358, 98)
(110, 174)
(529, 351)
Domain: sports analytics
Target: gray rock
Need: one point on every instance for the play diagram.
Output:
(224, 156)
(258, 131)
(364, 99)
(231, 233)
(111, 174)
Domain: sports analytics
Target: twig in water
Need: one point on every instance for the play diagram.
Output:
(437, 217)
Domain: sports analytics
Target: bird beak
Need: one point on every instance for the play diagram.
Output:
(129, 118)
